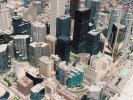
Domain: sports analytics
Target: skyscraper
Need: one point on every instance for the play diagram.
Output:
(21, 44)
(37, 50)
(57, 9)
(81, 27)
(21, 27)
(46, 66)
(5, 22)
(51, 40)
(116, 39)
(16, 20)
(115, 18)
(38, 32)
(63, 47)
(128, 23)
(88, 3)
(38, 5)
(93, 42)
(94, 6)
(4, 65)
(74, 4)
(63, 26)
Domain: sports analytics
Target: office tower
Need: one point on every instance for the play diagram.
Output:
(26, 2)
(24, 85)
(62, 73)
(88, 3)
(11, 49)
(63, 26)
(16, 20)
(37, 50)
(95, 7)
(74, 4)
(128, 23)
(51, 40)
(46, 66)
(93, 42)
(30, 14)
(81, 27)
(4, 59)
(75, 78)
(38, 5)
(57, 60)
(63, 48)
(27, 25)
(115, 18)
(5, 22)
(20, 26)
(38, 32)
(116, 39)
(83, 57)
(21, 44)
(57, 9)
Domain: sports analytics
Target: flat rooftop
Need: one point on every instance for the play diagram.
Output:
(51, 38)
(21, 36)
(41, 44)
(25, 81)
(3, 47)
(37, 88)
(94, 32)
(46, 59)
(38, 24)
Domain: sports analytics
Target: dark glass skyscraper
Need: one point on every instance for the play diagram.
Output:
(16, 20)
(20, 26)
(94, 6)
(63, 26)
(74, 4)
(81, 27)
(93, 42)
(63, 47)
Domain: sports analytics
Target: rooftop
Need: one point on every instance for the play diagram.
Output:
(25, 81)
(3, 47)
(40, 44)
(94, 32)
(51, 38)
(38, 24)
(46, 59)
(21, 36)
(37, 88)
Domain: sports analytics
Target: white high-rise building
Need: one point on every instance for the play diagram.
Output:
(52, 41)
(21, 43)
(57, 9)
(46, 65)
(37, 50)
(115, 18)
(38, 32)
(5, 21)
